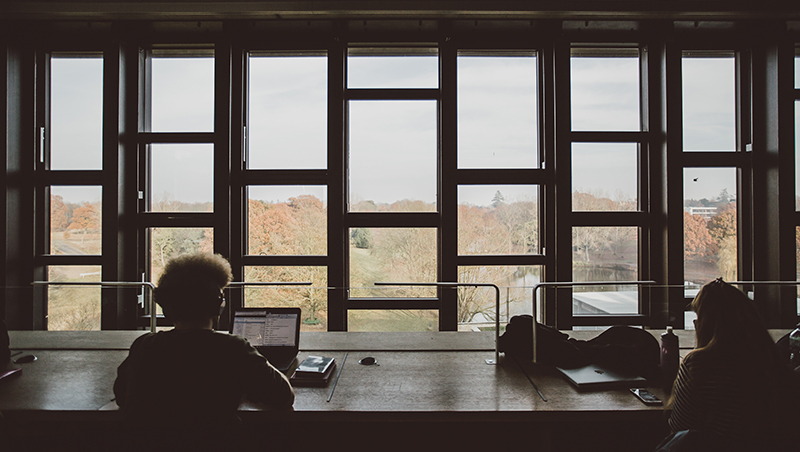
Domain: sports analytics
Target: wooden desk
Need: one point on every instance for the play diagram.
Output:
(431, 386)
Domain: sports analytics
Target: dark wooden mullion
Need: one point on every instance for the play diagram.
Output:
(22, 308)
(643, 177)
(547, 140)
(715, 159)
(673, 99)
(744, 174)
(176, 220)
(238, 204)
(607, 320)
(503, 176)
(179, 137)
(374, 303)
(223, 118)
(73, 177)
(114, 103)
(284, 261)
(285, 177)
(41, 193)
(609, 137)
(501, 261)
(391, 220)
(620, 218)
(562, 209)
(65, 259)
(338, 239)
(448, 180)
(392, 94)
(653, 188)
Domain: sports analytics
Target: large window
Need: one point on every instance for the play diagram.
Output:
(177, 155)
(710, 191)
(69, 160)
(403, 158)
(605, 93)
(499, 210)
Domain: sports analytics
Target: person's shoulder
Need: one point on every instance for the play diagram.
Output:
(701, 359)
(231, 340)
(144, 339)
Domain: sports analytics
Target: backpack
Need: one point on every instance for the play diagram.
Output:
(553, 347)
(621, 348)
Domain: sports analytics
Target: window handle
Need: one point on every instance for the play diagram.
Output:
(41, 144)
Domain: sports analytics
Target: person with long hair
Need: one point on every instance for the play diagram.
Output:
(734, 391)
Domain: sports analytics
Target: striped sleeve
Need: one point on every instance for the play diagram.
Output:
(688, 408)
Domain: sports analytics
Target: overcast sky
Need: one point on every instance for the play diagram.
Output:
(392, 144)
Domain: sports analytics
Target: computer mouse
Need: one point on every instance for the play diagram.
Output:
(25, 359)
(367, 361)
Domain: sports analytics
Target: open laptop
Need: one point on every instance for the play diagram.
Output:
(595, 377)
(274, 332)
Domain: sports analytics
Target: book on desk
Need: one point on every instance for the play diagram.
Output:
(313, 371)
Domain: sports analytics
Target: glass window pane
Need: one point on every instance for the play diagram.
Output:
(605, 254)
(392, 320)
(476, 305)
(392, 68)
(498, 219)
(497, 112)
(392, 255)
(166, 243)
(76, 113)
(604, 176)
(182, 94)
(797, 69)
(288, 112)
(392, 155)
(287, 220)
(72, 308)
(182, 177)
(312, 300)
(605, 89)
(709, 225)
(76, 220)
(709, 103)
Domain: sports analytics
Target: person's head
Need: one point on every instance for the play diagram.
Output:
(190, 287)
(727, 319)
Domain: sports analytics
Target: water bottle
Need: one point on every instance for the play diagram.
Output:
(794, 348)
(670, 357)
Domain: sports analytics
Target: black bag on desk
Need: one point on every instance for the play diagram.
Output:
(5, 351)
(621, 348)
(627, 350)
(553, 347)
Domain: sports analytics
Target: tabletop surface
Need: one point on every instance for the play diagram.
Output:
(438, 372)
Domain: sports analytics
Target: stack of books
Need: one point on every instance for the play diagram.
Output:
(313, 371)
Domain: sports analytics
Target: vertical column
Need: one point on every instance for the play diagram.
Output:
(562, 183)
(18, 114)
(655, 191)
(773, 177)
(673, 106)
(337, 185)
(448, 186)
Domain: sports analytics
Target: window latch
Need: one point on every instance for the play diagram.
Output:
(41, 144)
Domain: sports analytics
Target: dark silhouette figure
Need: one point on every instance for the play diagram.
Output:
(180, 389)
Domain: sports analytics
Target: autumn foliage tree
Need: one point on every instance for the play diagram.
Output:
(85, 218)
(59, 213)
(697, 242)
(295, 227)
